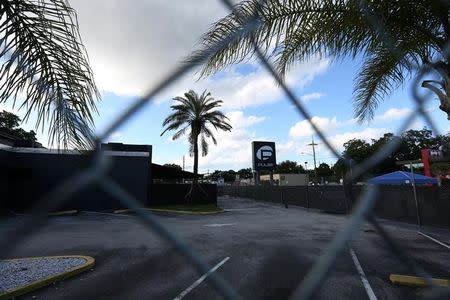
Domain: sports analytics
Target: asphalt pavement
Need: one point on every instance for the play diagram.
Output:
(262, 250)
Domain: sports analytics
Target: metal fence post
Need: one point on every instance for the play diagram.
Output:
(307, 196)
(283, 200)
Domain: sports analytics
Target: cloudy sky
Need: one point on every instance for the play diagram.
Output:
(133, 47)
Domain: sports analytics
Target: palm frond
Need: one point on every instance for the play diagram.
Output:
(42, 56)
(382, 73)
(204, 145)
(180, 133)
(191, 144)
(277, 20)
(291, 31)
(173, 126)
(194, 112)
(209, 134)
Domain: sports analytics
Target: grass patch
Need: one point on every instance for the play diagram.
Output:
(191, 208)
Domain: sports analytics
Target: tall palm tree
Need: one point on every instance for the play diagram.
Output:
(194, 114)
(395, 38)
(43, 59)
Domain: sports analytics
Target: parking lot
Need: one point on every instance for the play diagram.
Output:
(262, 250)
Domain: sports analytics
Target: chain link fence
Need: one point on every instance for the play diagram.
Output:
(433, 201)
(363, 202)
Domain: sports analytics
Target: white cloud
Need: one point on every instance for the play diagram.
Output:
(116, 135)
(366, 134)
(394, 114)
(304, 129)
(304, 152)
(239, 90)
(283, 148)
(416, 124)
(238, 120)
(311, 96)
(133, 47)
(233, 150)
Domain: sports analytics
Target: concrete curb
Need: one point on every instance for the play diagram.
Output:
(183, 212)
(414, 281)
(90, 261)
(62, 213)
(51, 214)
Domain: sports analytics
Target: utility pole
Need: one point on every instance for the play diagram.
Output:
(183, 162)
(314, 155)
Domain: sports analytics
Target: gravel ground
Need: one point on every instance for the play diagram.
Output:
(16, 273)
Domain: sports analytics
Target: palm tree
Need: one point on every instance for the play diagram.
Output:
(42, 57)
(195, 114)
(395, 38)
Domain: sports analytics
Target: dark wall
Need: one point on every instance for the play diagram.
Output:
(166, 194)
(30, 176)
(394, 202)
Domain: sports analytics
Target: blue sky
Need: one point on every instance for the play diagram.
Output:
(132, 48)
(275, 119)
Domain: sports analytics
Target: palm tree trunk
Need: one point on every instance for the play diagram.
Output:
(193, 191)
(195, 158)
(444, 97)
(441, 88)
(445, 103)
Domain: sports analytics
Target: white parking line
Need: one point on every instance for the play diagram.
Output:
(364, 280)
(200, 280)
(219, 225)
(434, 240)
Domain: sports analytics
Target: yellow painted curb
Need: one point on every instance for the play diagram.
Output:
(414, 281)
(90, 261)
(185, 212)
(64, 212)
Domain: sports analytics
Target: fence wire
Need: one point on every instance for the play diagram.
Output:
(96, 174)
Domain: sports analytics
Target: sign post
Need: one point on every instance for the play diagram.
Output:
(263, 158)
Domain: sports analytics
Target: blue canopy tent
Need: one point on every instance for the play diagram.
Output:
(400, 178)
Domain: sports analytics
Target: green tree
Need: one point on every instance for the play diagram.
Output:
(388, 163)
(245, 173)
(415, 140)
(394, 38)
(289, 167)
(339, 168)
(358, 150)
(175, 166)
(444, 142)
(41, 54)
(194, 113)
(228, 176)
(10, 122)
(324, 170)
(214, 176)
